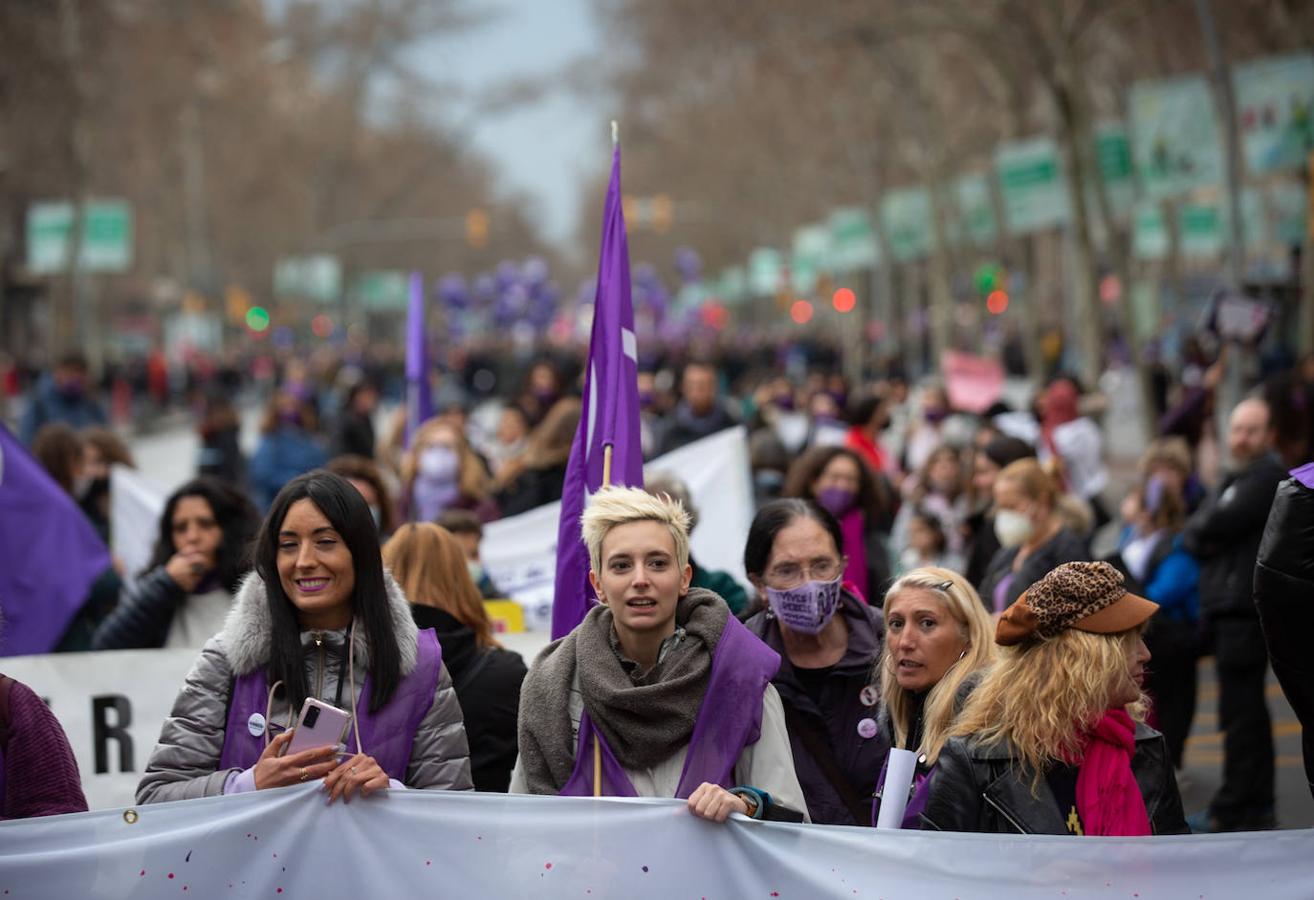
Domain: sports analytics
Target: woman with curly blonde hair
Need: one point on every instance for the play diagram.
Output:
(937, 640)
(1052, 741)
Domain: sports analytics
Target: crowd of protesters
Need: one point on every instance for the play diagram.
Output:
(972, 586)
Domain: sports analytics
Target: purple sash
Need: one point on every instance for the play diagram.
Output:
(742, 667)
(386, 735)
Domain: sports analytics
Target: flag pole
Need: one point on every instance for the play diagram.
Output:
(606, 481)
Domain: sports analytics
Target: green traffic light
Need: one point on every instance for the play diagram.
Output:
(257, 319)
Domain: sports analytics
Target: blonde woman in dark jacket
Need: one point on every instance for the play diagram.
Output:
(319, 617)
(1053, 739)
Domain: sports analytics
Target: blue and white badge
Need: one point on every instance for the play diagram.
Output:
(256, 725)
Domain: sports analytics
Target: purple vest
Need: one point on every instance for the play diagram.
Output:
(386, 735)
(742, 667)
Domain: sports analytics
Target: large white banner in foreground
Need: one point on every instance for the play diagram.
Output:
(287, 844)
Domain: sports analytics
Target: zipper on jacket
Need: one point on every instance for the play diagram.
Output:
(1005, 813)
(318, 637)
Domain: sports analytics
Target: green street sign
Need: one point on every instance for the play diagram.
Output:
(764, 271)
(906, 218)
(853, 240)
(976, 210)
(811, 256)
(1113, 155)
(1031, 182)
(1200, 230)
(310, 277)
(106, 237)
(381, 291)
(1176, 144)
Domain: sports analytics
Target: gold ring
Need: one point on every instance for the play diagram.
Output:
(304, 773)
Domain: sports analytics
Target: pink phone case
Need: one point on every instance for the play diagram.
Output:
(320, 725)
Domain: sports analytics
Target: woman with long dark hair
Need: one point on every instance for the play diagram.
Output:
(184, 594)
(318, 618)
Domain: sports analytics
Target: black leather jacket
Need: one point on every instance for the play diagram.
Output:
(983, 789)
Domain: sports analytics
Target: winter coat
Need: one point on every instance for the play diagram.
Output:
(986, 790)
(1284, 596)
(154, 611)
(38, 774)
(835, 718)
(1066, 546)
(531, 489)
(355, 434)
(220, 456)
(185, 762)
(487, 682)
(281, 456)
(684, 426)
(50, 405)
(1224, 534)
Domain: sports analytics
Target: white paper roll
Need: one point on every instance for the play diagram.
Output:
(898, 781)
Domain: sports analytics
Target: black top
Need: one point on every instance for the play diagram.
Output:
(813, 680)
(1062, 781)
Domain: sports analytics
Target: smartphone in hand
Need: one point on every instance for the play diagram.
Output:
(320, 725)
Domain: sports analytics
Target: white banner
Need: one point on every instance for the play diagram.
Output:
(520, 552)
(136, 503)
(111, 704)
(287, 843)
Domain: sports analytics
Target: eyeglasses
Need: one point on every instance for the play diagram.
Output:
(787, 575)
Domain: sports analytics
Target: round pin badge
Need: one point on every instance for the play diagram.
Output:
(256, 725)
(869, 695)
(867, 728)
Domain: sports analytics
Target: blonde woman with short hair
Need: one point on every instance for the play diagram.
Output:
(659, 692)
(937, 640)
(1053, 740)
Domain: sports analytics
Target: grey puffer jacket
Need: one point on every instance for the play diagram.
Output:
(185, 763)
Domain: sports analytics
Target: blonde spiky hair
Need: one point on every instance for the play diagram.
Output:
(614, 506)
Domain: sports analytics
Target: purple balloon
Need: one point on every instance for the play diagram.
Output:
(535, 270)
(452, 291)
(508, 273)
(485, 288)
(688, 264)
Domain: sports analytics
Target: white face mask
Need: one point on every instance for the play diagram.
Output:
(1013, 528)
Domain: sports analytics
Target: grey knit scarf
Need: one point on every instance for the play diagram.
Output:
(643, 720)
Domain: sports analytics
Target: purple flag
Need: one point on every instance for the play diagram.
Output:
(611, 412)
(419, 401)
(49, 554)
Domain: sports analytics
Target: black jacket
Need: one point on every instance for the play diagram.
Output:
(1284, 596)
(983, 789)
(1224, 535)
(487, 683)
(1066, 546)
(531, 489)
(835, 718)
(143, 615)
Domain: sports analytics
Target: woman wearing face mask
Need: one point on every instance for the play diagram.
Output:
(430, 566)
(318, 618)
(659, 692)
(288, 446)
(829, 642)
(183, 596)
(441, 472)
(837, 479)
(366, 477)
(937, 641)
(1151, 552)
(1031, 533)
(1052, 741)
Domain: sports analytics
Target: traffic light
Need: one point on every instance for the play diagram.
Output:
(476, 228)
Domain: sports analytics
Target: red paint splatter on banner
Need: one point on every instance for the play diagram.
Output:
(547, 865)
(275, 856)
(280, 890)
(141, 873)
(775, 893)
(170, 874)
(645, 868)
(184, 887)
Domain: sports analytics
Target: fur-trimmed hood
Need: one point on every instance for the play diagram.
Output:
(247, 630)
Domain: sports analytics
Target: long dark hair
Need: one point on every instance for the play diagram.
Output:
(349, 515)
(873, 494)
(774, 517)
(237, 519)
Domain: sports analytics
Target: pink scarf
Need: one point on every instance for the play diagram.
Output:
(853, 529)
(1108, 799)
